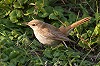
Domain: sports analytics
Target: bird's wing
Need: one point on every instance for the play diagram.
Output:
(54, 33)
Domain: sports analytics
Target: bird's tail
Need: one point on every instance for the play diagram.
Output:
(70, 27)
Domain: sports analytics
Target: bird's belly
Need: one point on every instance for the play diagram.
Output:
(45, 40)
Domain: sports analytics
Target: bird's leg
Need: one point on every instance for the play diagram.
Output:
(65, 44)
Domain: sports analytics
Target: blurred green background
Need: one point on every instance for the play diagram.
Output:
(19, 48)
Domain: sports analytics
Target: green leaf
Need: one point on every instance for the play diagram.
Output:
(17, 5)
(84, 35)
(22, 1)
(89, 32)
(43, 15)
(7, 51)
(97, 29)
(47, 53)
(19, 13)
(29, 11)
(15, 33)
(25, 41)
(98, 40)
(3, 63)
(46, 2)
(49, 9)
(13, 19)
(4, 57)
(58, 13)
(22, 58)
(97, 16)
(52, 16)
(13, 54)
(72, 17)
(39, 4)
(56, 53)
(9, 1)
(59, 8)
(14, 15)
(36, 43)
(12, 64)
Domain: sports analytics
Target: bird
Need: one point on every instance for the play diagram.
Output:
(48, 34)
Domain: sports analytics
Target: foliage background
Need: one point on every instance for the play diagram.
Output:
(19, 48)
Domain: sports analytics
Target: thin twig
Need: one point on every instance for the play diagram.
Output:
(65, 44)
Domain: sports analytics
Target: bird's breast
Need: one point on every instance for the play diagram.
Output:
(43, 39)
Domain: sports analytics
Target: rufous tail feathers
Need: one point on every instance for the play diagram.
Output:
(70, 27)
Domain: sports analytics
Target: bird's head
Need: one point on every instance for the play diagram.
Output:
(35, 24)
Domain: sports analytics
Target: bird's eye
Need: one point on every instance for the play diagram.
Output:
(33, 24)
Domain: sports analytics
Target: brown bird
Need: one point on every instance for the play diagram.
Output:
(49, 34)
